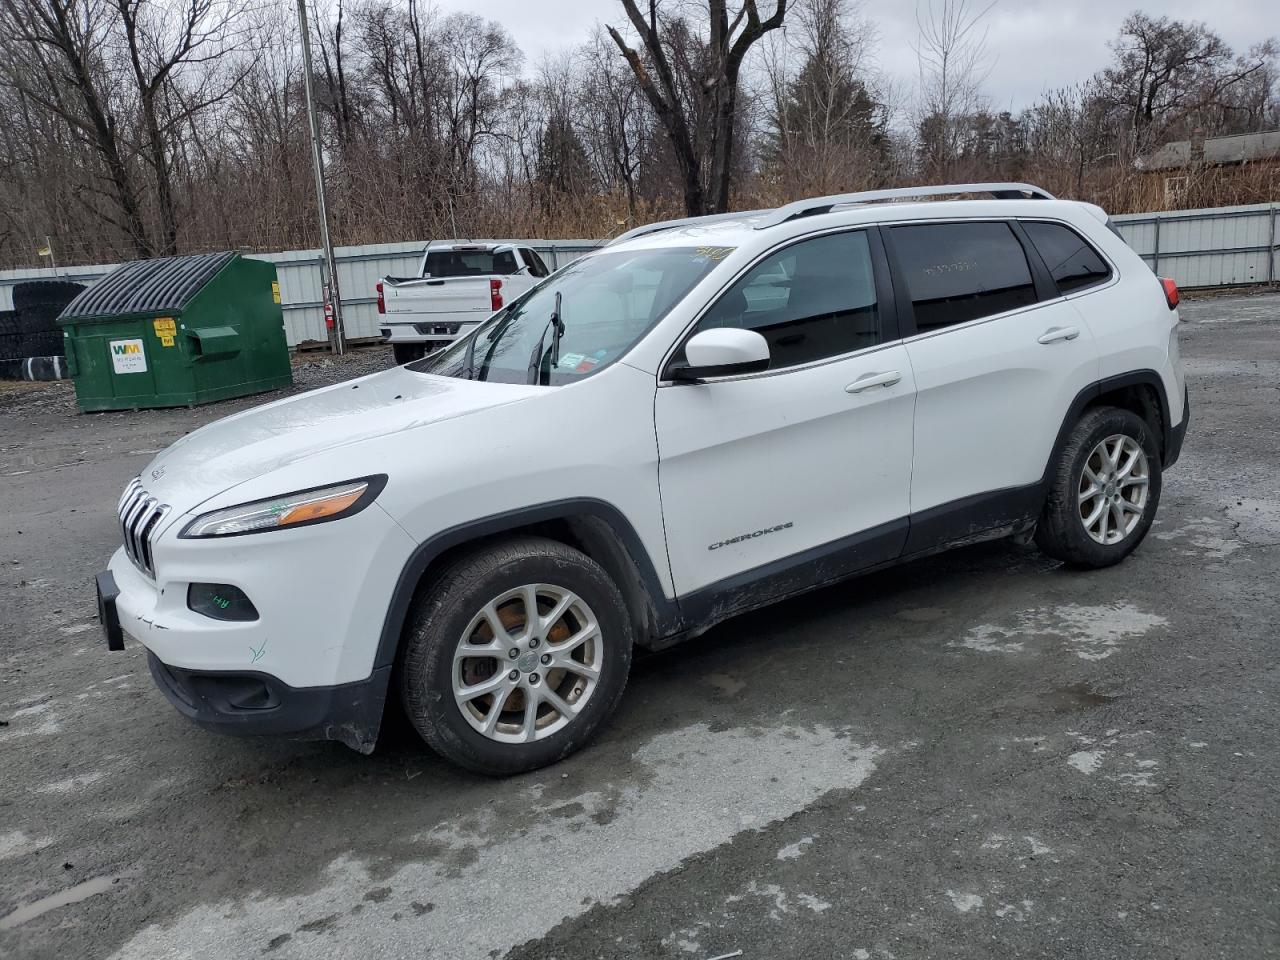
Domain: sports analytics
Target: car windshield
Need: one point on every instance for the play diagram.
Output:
(599, 306)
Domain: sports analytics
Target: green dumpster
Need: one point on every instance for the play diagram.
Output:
(176, 332)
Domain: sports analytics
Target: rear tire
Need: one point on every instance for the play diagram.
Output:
(49, 293)
(570, 669)
(1103, 491)
(407, 352)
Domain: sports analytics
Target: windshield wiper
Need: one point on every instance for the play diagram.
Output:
(555, 324)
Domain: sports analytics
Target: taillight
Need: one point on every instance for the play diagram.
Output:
(382, 304)
(495, 294)
(1170, 292)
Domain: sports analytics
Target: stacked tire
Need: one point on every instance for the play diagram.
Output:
(31, 329)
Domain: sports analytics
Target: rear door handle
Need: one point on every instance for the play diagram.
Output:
(1054, 334)
(867, 381)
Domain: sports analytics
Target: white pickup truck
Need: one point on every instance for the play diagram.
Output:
(458, 285)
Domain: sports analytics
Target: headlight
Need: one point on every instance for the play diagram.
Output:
(317, 505)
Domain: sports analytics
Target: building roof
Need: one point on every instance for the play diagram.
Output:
(1217, 151)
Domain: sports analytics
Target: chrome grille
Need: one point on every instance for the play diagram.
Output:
(140, 516)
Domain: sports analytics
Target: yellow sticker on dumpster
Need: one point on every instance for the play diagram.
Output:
(275, 290)
(165, 329)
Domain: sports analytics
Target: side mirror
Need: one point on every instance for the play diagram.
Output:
(722, 352)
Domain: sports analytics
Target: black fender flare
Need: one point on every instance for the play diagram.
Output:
(666, 613)
(1169, 437)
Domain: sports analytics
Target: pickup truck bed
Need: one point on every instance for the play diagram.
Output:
(458, 286)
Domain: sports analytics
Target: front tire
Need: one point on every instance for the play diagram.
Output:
(1103, 492)
(501, 692)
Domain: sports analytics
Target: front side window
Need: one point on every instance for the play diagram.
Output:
(812, 300)
(607, 301)
(1071, 261)
(957, 272)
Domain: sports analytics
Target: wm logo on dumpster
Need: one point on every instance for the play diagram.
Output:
(124, 349)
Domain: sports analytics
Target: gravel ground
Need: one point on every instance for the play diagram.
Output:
(310, 370)
(977, 755)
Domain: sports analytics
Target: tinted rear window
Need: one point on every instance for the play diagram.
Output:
(1072, 262)
(957, 272)
(469, 263)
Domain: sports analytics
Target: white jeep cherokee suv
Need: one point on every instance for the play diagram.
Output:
(701, 418)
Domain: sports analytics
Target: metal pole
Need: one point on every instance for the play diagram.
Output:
(332, 295)
(1271, 246)
(48, 243)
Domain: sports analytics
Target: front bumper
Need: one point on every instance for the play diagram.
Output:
(251, 704)
(307, 667)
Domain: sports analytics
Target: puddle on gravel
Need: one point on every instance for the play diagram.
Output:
(63, 898)
(1076, 696)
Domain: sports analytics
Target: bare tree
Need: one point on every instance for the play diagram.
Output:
(159, 40)
(827, 127)
(1168, 73)
(951, 50)
(716, 92)
(54, 56)
(615, 118)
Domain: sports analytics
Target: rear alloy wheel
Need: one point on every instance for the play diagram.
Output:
(1103, 490)
(516, 657)
(1113, 489)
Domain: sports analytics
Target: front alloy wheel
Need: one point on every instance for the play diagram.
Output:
(515, 655)
(527, 663)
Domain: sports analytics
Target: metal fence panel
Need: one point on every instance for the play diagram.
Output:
(1222, 246)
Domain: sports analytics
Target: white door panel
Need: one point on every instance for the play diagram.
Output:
(756, 469)
(990, 397)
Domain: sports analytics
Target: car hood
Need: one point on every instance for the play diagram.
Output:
(247, 445)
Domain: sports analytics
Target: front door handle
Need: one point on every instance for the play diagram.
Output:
(1054, 334)
(867, 381)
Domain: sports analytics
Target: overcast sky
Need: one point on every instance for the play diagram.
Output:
(1035, 44)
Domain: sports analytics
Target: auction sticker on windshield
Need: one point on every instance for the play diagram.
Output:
(128, 356)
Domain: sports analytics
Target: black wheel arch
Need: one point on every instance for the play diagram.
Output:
(597, 528)
(1141, 391)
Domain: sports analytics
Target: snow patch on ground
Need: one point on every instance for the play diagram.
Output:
(964, 902)
(1090, 632)
(1207, 537)
(691, 778)
(988, 638)
(72, 784)
(1087, 761)
(793, 850)
(46, 722)
(17, 843)
(1257, 520)
(1115, 763)
(1017, 912)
